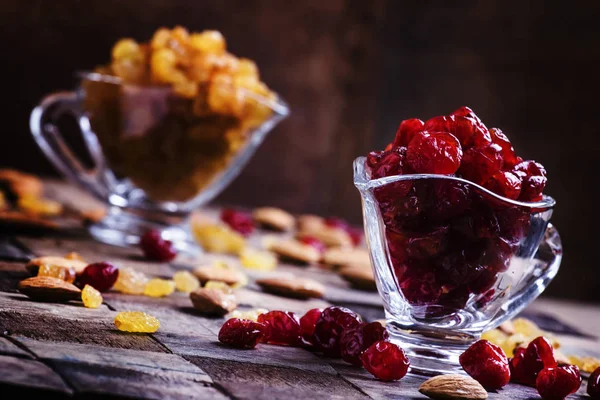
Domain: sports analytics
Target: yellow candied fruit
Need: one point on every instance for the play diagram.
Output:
(157, 287)
(260, 260)
(74, 256)
(161, 39)
(247, 68)
(208, 42)
(130, 281)
(39, 207)
(185, 281)
(222, 286)
(219, 239)
(251, 315)
(136, 321)
(2, 201)
(585, 363)
(127, 49)
(91, 297)
(67, 274)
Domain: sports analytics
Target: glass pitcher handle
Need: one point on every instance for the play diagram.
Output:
(548, 258)
(42, 122)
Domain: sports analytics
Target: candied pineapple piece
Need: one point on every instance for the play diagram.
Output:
(130, 281)
(157, 287)
(260, 260)
(247, 68)
(91, 297)
(66, 274)
(161, 39)
(208, 42)
(222, 286)
(251, 315)
(185, 281)
(39, 207)
(219, 239)
(136, 321)
(127, 48)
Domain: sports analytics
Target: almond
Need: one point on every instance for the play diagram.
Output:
(342, 256)
(213, 301)
(34, 264)
(299, 288)
(274, 218)
(359, 276)
(331, 237)
(211, 273)
(296, 251)
(507, 327)
(453, 386)
(309, 222)
(47, 288)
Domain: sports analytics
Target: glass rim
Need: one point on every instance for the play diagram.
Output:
(364, 183)
(279, 106)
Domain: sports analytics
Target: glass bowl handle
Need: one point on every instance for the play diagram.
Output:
(547, 259)
(42, 122)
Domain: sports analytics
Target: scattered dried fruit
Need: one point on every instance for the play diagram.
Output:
(487, 364)
(282, 327)
(131, 281)
(453, 387)
(221, 273)
(527, 363)
(156, 248)
(238, 221)
(251, 314)
(557, 383)
(586, 363)
(101, 276)
(185, 281)
(20, 184)
(213, 301)
(385, 361)
(66, 274)
(300, 288)
(34, 264)
(157, 287)
(136, 322)
(593, 386)
(241, 333)
(330, 236)
(91, 297)
(308, 322)
(260, 260)
(354, 341)
(218, 238)
(330, 326)
(46, 288)
(295, 251)
(342, 256)
(74, 256)
(359, 276)
(274, 218)
(222, 286)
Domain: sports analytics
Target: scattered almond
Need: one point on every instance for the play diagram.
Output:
(20, 218)
(300, 288)
(47, 288)
(309, 222)
(93, 215)
(274, 218)
(34, 264)
(453, 386)
(212, 273)
(343, 256)
(213, 301)
(296, 251)
(331, 237)
(21, 184)
(359, 276)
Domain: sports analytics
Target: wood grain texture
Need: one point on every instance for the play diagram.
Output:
(30, 374)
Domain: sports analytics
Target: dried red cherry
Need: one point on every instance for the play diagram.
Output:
(557, 383)
(388, 163)
(593, 386)
(533, 175)
(526, 364)
(480, 163)
(241, 333)
(504, 183)
(385, 360)
(329, 329)
(407, 130)
(156, 248)
(355, 341)
(451, 198)
(282, 327)
(427, 245)
(434, 153)
(421, 288)
(308, 322)
(238, 221)
(508, 152)
(101, 276)
(487, 364)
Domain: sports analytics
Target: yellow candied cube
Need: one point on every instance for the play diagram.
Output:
(218, 239)
(91, 297)
(247, 68)
(127, 49)
(258, 259)
(208, 42)
(185, 281)
(160, 39)
(157, 287)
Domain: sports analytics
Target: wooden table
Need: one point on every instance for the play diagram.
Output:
(66, 350)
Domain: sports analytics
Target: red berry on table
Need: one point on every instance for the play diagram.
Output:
(386, 361)
(527, 363)
(407, 130)
(308, 322)
(330, 326)
(314, 242)
(504, 183)
(533, 175)
(281, 327)
(355, 341)
(434, 153)
(156, 248)
(238, 221)
(241, 333)
(557, 383)
(101, 276)
(480, 163)
(593, 386)
(487, 364)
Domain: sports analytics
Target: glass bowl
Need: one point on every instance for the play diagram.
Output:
(452, 260)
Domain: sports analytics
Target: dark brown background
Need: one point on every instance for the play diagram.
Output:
(351, 70)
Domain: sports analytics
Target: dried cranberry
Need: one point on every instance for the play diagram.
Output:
(558, 383)
(388, 163)
(440, 123)
(421, 288)
(156, 248)
(470, 132)
(374, 157)
(498, 253)
(508, 152)
(406, 131)
(526, 364)
(308, 322)
(426, 246)
(534, 179)
(434, 153)
(514, 223)
(314, 242)
(504, 183)
(485, 223)
(354, 341)
(389, 147)
(464, 111)
(451, 198)
(101, 276)
(480, 163)
(593, 386)
(282, 327)
(238, 221)
(385, 361)
(241, 333)
(329, 329)
(487, 364)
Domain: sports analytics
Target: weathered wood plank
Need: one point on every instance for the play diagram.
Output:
(10, 349)
(11, 274)
(29, 374)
